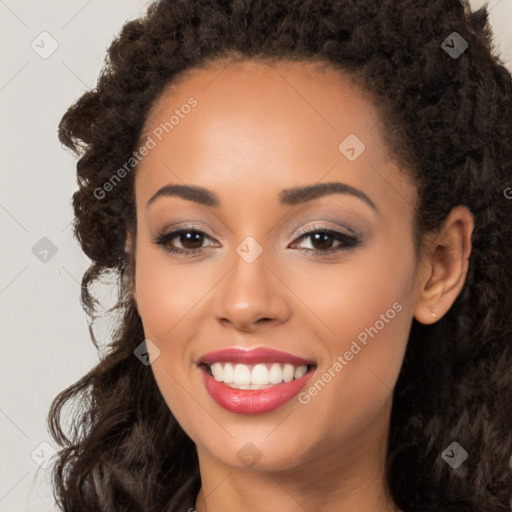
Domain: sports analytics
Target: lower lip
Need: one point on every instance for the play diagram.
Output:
(257, 401)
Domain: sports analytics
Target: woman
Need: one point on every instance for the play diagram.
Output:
(306, 204)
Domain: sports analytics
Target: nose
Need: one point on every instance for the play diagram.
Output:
(252, 297)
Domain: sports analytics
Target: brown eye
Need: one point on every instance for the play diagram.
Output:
(322, 241)
(185, 241)
(191, 239)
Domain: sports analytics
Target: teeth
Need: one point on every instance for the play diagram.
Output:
(242, 375)
(217, 371)
(258, 376)
(275, 376)
(300, 371)
(228, 374)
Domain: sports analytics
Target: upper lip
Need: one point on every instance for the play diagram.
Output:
(252, 356)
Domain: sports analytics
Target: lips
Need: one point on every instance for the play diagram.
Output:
(254, 356)
(254, 381)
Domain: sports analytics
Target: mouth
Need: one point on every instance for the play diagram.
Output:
(255, 376)
(254, 381)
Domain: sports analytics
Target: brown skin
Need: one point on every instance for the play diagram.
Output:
(259, 129)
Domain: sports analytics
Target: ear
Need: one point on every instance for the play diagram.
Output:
(129, 277)
(128, 243)
(444, 265)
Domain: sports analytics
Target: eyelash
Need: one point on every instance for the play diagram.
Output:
(347, 241)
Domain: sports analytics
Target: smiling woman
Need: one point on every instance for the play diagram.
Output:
(313, 262)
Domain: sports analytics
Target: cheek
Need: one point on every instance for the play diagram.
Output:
(170, 299)
(167, 294)
(343, 299)
(367, 308)
(350, 391)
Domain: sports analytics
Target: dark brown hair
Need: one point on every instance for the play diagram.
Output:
(448, 121)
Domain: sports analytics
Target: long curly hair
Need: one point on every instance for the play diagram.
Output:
(447, 120)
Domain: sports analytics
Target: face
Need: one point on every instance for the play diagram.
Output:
(324, 277)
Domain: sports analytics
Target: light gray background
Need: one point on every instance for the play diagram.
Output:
(45, 339)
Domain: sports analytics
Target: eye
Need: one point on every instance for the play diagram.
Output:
(322, 241)
(190, 239)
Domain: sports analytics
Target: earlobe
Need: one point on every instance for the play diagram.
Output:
(444, 266)
(128, 242)
(129, 275)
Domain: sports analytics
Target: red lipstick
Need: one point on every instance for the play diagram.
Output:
(254, 356)
(253, 401)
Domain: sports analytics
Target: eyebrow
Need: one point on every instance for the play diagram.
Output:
(290, 196)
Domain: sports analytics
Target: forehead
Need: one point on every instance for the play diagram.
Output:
(324, 98)
(258, 124)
